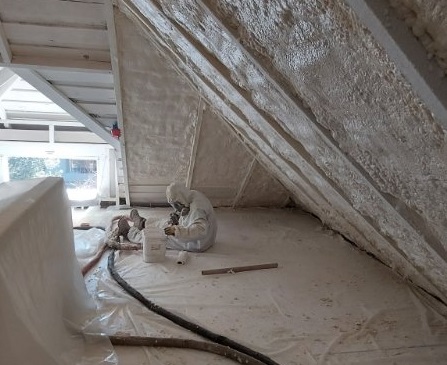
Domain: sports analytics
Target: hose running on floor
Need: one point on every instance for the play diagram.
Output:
(181, 343)
(222, 340)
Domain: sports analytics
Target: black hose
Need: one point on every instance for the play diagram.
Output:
(222, 340)
(181, 343)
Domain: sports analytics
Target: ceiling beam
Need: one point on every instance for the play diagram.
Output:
(50, 136)
(5, 50)
(7, 80)
(65, 103)
(58, 150)
(20, 114)
(111, 32)
(58, 123)
(407, 53)
(66, 64)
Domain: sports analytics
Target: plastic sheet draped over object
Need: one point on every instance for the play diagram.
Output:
(45, 309)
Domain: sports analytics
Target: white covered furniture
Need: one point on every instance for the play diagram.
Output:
(44, 303)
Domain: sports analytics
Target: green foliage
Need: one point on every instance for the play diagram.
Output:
(22, 168)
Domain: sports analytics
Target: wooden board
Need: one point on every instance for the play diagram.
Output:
(57, 77)
(89, 13)
(27, 106)
(61, 52)
(46, 35)
(25, 96)
(99, 109)
(88, 94)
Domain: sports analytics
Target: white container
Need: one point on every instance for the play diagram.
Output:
(182, 257)
(154, 246)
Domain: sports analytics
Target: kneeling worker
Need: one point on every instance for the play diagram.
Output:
(196, 228)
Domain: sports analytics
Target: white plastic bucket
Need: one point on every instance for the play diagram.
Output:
(154, 246)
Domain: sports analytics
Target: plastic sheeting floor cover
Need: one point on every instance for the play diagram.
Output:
(326, 303)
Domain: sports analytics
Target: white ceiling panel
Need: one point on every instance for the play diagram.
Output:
(56, 36)
(102, 79)
(31, 106)
(99, 109)
(89, 13)
(92, 94)
(61, 52)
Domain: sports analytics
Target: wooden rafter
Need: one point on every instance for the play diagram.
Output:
(7, 80)
(407, 53)
(111, 31)
(5, 50)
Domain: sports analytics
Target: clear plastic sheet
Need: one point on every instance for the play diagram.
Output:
(87, 243)
(326, 303)
(46, 314)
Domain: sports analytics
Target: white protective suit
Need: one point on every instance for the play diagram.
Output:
(197, 230)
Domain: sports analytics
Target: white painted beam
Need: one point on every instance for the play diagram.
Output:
(59, 123)
(18, 114)
(89, 93)
(56, 35)
(111, 32)
(76, 137)
(60, 99)
(48, 107)
(58, 150)
(24, 135)
(80, 54)
(5, 49)
(51, 136)
(6, 74)
(99, 109)
(407, 53)
(58, 63)
(64, 77)
(71, 13)
(7, 80)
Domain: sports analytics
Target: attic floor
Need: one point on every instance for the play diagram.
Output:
(326, 303)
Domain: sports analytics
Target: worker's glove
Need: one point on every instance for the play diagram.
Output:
(170, 231)
(173, 218)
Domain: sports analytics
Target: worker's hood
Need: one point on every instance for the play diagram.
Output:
(177, 192)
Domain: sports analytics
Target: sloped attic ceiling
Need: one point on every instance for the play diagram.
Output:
(68, 51)
(172, 134)
(324, 94)
(324, 106)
